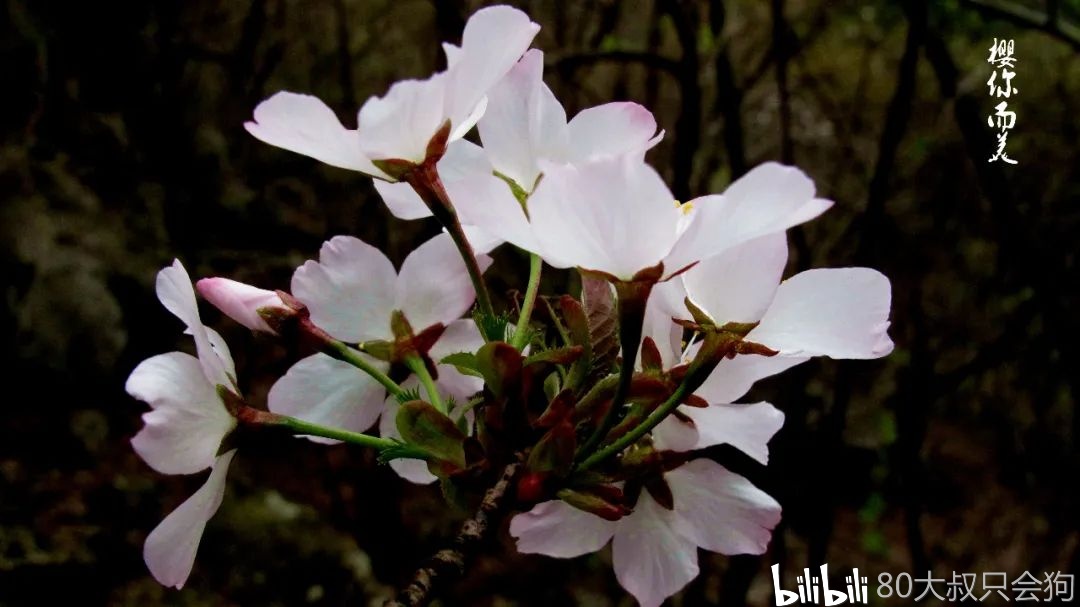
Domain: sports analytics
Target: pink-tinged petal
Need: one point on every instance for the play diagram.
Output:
(176, 293)
(462, 159)
(738, 285)
(558, 529)
(240, 302)
(170, 548)
(523, 122)
(652, 559)
(183, 432)
(733, 378)
(836, 312)
(770, 198)
(486, 202)
(350, 291)
(224, 355)
(305, 125)
(400, 124)
(329, 392)
(493, 40)
(720, 510)
(746, 427)
(460, 336)
(434, 285)
(611, 129)
(674, 434)
(613, 215)
(412, 470)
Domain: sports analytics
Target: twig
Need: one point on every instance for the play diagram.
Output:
(688, 125)
(449, 563)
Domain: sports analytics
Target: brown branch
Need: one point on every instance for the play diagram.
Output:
(449, 563)
(1025, 17)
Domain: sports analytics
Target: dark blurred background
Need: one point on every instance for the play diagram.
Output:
(123, 147)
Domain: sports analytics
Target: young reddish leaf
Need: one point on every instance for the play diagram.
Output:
(500, 364)
(650, 355)
(592, 503)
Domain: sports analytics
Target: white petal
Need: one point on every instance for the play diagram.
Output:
(184, 431)
(400, 124)
(733, 378)
(434, 285)
(738, 285)
(493, 40)
(523, 122)
(652, 559)
(613, 215)
(412, 470)
(462, 159)
(611, 129)
(175, 292)
(305, 125)
(720, 510)
(659, 324)
(460, 336)
(350, 291)
(674, 434)
(486, 202)
(840, 313)
(402, 200)
(481, 241)
(170, 548)
(558, 529)
(240, 302)
(329, 392)
(746, 427)
(770, 198)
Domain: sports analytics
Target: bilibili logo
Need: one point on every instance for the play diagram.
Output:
(815, 589)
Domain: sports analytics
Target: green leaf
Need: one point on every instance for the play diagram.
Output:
(422, 425)
(465, 362)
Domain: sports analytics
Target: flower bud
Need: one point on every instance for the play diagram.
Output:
(241, 302)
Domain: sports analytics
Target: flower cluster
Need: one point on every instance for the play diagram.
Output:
(601, 403)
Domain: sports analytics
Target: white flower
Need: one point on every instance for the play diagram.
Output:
(616, 215)
(523, 127)
(188, 421)
(655, 549)
(185, 429)
(839, 313)
(401, 124)
(352, 293)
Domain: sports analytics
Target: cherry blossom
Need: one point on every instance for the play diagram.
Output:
(839, 313)
(184, 430)
(352, 292)
(615, 215)
(524, 125)
(401, 124)
(654, 549)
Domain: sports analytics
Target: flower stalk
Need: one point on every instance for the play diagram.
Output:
(425, 181)
(521, 333)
